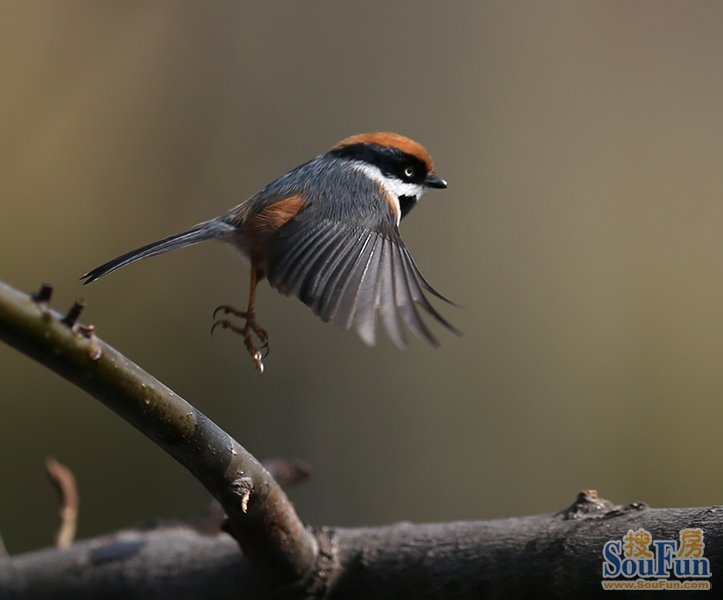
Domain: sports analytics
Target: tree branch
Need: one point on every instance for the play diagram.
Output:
(555, 556)
(260, 515)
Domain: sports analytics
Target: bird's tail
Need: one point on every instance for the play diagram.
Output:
(208, 230)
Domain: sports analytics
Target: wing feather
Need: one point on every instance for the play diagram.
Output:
(290, 254)
(405, 301)
(423, 282)
(416, 283)
(343, 314)
(365, 311)
(386, 297)
(313, 260)
(326, 283)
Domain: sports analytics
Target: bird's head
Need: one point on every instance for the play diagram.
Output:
(402, 166)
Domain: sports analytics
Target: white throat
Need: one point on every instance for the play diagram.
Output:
(393, 186)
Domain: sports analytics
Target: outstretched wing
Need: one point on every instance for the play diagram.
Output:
(348, 269)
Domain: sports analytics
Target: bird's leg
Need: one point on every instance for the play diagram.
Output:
(250, 325)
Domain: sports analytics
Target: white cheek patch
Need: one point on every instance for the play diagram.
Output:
(393, 186)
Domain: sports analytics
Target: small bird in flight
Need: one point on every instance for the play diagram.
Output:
(328, 233)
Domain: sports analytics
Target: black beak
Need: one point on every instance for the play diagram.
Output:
(435, 181)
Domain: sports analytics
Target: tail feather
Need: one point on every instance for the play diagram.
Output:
(208, 230)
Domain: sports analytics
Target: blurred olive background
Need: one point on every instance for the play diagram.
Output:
(581, 233)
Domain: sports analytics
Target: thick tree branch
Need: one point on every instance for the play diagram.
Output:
(260, 515)
(554, 556)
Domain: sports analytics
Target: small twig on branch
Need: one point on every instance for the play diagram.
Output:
(63, 481)
(261, 517)
(73, 314)
(43, 295)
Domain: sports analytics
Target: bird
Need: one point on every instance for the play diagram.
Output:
(327, 232)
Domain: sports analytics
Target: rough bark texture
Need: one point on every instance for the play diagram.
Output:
(547, 556)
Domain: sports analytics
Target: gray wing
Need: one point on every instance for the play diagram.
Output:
(348, 269)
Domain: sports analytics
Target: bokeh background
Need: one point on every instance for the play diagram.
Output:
(581, 233)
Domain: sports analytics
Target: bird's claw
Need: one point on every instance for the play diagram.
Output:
(230, 310)
(258, 361)
(245, 331)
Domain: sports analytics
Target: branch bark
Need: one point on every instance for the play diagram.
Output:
(554, 556)
(260, 515)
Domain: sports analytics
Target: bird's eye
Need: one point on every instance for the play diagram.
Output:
(409, 172)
